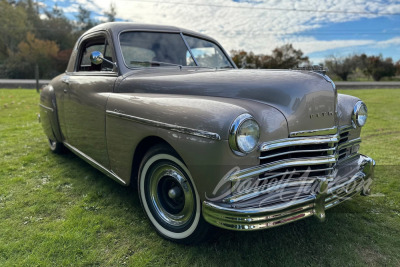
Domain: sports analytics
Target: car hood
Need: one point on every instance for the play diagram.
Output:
(306, 99)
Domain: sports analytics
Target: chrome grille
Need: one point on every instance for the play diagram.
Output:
(319, 154)
(286, 162)
(295, 153)
(312, 156)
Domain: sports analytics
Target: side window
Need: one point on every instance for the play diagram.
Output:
(89, 46)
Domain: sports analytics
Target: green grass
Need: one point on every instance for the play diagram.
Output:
(57, 210)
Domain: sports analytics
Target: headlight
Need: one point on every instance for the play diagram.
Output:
(360, 114)
(244, 134)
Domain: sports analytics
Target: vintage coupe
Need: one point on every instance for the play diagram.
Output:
(206, 143)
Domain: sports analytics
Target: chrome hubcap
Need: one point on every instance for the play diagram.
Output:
(52, 143)
(171, 195)
(175, 192)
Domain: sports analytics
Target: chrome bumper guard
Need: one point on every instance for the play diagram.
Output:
(314, 204)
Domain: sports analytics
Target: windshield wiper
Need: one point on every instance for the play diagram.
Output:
(153, 63)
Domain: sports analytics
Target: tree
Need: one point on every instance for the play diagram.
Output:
(51, 34)
(83, 19)
(31, 52)
(56, 27)
(341, 67)
(286, 57)
(378, 67)
(56, 12)
(239, 57)
(245, 60)
(112, 13)
(13, 27)
(33, 18)
(397, 65)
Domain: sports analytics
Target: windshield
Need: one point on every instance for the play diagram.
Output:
(155, 49)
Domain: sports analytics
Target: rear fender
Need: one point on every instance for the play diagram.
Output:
(48, 114)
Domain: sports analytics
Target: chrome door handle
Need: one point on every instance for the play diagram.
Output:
(65, 79)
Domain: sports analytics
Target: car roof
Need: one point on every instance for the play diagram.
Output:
(117, 27)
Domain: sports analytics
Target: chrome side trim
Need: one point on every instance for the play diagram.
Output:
(95, 164)
(257, 170)
(298, 141)
(166, 126)
(325, 131)
(46, 107)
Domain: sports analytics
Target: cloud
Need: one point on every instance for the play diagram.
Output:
(390, 42)
(71, 9)
(259, 26)
(311, 45)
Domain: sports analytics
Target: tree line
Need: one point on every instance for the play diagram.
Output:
(31, 35)
(341, 68)
(375, 67)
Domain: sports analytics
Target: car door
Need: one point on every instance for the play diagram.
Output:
(86, 97)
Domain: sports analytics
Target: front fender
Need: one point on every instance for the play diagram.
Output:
(204, 114)
(346, 104)
(133, 117)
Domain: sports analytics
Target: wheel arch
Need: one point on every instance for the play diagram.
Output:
(49, 113)
(140, 151)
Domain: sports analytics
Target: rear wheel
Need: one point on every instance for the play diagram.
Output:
(169, 197)
(55, 146)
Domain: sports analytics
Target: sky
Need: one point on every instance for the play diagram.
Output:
(320, 28)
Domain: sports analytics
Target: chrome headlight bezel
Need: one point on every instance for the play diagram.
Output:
(360, 114)
(234, 143)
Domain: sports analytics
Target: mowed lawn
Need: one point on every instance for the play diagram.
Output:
(57, 210)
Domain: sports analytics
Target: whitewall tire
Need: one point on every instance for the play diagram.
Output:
(169, 196)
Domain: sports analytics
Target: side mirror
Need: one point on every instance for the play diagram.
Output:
(97, 58)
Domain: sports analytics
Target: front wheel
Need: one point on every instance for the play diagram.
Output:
(169, 197)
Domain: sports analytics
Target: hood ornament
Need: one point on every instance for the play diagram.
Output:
(313, 68)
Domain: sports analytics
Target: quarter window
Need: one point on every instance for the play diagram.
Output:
(95, 44)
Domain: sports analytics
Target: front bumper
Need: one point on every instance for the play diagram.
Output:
(326, 196)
